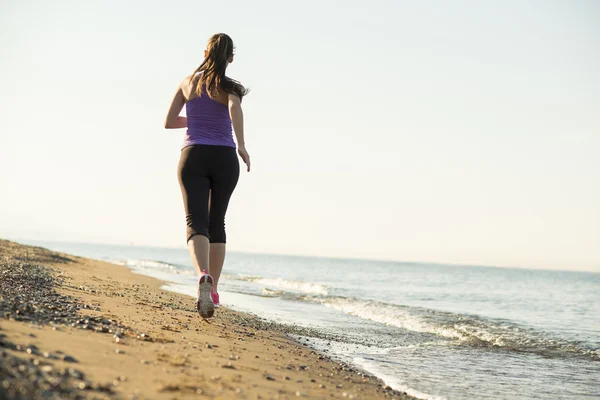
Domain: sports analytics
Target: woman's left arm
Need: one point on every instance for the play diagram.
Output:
(173, 120)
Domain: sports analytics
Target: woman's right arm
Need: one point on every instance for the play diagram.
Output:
(237, 121)
(173, 120)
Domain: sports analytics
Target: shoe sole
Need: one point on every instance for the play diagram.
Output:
(205, 305)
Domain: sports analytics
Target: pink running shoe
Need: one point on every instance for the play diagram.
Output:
(215, 298)
(205, 305)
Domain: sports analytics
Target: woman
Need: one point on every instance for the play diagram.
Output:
(208, 168)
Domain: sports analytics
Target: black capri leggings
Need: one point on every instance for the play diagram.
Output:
(207, 170)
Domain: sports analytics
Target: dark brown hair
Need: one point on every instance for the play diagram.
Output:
(212, 78)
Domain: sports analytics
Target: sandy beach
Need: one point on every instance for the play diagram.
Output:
(73, 327)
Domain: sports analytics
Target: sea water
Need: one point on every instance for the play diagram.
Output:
(434, 331)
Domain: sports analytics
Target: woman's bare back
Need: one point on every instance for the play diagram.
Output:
(188, 86)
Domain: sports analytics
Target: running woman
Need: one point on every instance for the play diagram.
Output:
(208, 169)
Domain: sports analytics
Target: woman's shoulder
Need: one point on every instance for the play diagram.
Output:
(187, 86)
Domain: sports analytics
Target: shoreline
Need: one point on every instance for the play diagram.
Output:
(98, 330)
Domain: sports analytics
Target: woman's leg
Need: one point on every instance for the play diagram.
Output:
(195, 187)
(217, 259)
(198, 247)
(222, 186)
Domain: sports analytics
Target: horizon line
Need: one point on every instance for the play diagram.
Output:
(382, 260)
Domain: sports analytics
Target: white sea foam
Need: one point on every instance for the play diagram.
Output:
(154, 265)
(388, 314)
(269, 292)
(296, 286)
(278, 284)
(454, 326)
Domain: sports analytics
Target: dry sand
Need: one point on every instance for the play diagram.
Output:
(88, 329)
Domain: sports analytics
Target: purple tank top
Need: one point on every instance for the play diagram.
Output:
(208, 122)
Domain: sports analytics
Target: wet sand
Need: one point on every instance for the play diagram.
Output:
(72, 327)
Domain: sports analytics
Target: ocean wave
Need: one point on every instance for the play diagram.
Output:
(462, 328)
(278, 285)
(155, 265)
(272, 293)
(388, 314)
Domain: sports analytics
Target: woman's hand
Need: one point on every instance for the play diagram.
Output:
(237, 122)
(245, 156)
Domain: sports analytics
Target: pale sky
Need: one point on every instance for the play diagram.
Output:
(442, 131)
